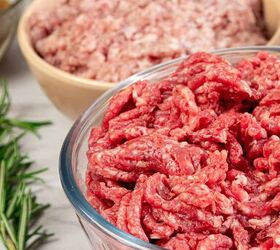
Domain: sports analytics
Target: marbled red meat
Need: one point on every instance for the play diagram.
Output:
(193, 161)
(109, 40)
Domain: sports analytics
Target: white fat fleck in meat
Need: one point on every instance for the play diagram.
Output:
(129, 31)
(246, 87)
(134, 94)
(161, 119)
(241, 180)
(99, 156)
(141, 164)
(168, 146)
(165, 156)
(211, 237)
(260, 223)
(135, 152)
(200, 215)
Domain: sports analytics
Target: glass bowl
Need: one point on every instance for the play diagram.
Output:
(8, 23)
(73, 160)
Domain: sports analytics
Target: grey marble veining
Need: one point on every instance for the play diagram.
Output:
(29, 102)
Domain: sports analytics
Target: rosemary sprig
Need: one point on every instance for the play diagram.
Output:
(19, 208)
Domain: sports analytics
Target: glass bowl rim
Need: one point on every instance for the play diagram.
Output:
(71, 189)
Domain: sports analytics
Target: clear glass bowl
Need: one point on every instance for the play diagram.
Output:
(8, 24)
(73, 160)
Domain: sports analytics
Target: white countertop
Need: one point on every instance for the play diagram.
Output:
(29, 102)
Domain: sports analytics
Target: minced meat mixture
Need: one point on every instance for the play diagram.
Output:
(111, 39)
(193, 161)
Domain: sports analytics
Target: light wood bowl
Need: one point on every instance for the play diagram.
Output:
(72, 94)
(69, 93)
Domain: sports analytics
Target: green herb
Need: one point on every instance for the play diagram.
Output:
(19, 208)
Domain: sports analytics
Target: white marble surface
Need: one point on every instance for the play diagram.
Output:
(29, 102)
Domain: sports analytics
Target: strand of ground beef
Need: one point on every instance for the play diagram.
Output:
(109, 40)
(193, 161)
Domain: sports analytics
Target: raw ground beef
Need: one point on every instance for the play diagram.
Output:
(111, 39)
(193, 161)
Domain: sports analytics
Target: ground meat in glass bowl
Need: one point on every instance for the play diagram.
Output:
(193, 161)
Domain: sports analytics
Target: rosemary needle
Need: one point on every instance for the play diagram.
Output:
(19, 208)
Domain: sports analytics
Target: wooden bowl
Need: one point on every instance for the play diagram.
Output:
(72, 94)
(69, 93)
